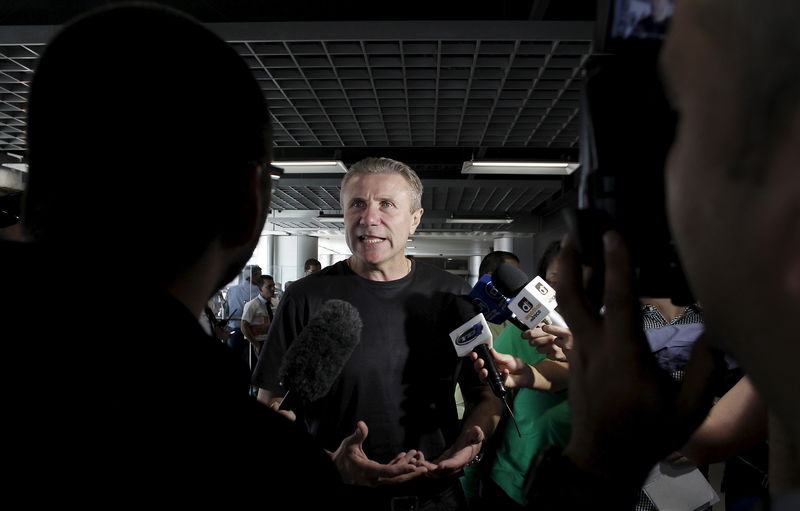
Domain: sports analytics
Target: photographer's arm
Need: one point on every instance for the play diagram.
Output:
(736, 422)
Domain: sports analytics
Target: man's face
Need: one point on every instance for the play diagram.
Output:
(699, 88)
(378, 218)
(268, 288)
(313, 268)
(712, 214)
(731, 230)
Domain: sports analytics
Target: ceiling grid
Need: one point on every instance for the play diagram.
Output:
(344, 112)
(466, 96)
(432, 94)
(328, 120)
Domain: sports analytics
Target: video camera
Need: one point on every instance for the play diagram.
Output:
(627, 128)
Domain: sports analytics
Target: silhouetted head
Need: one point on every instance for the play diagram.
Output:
(491, 260)
(141, 124)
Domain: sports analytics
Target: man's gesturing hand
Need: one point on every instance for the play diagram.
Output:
(356, 468)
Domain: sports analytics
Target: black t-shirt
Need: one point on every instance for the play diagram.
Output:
(400, 379)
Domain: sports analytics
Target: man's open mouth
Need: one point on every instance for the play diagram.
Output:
(370, 239)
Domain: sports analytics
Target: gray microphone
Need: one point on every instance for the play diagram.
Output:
(319, 353)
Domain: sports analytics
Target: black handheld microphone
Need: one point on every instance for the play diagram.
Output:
(474, 335)
(317, 356)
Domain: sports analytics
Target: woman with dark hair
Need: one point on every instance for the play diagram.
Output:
(548, 264)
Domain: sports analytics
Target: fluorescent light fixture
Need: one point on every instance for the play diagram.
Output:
(410, 247)
(311, 167)
(21, 167)
(517, 164)
(479, 220)
(331, 219)
(275, 233)
(519, 167)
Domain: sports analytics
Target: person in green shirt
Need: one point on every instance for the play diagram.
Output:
(540, 409)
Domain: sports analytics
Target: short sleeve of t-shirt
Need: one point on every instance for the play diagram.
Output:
(251, 311)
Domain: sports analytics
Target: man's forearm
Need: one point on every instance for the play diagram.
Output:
(249, 332)
(484, 409)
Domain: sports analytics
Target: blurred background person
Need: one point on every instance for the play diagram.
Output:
(236, 298)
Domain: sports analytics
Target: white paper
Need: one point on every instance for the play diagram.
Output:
(679, 488)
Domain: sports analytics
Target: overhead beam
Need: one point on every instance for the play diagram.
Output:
(437, 30)
(542, 181)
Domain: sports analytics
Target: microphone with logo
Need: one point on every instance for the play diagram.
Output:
(319, 353)
(474, 336)
(533, 302)
(492, 303)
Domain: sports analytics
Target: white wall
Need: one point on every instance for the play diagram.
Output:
(290, 254)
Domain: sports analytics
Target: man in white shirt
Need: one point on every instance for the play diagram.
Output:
(257, 314)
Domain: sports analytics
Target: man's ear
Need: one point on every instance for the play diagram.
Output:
(416, 216)
(247, 212)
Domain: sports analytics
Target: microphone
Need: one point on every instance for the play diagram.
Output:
(317, 356)
(474, 335)
(532, 302)
(492, 303)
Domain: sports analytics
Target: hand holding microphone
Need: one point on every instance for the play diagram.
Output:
(562, 342)
(515, 372)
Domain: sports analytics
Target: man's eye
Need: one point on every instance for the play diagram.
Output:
(386, 204)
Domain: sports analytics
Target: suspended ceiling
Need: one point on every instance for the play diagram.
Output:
(431, 86)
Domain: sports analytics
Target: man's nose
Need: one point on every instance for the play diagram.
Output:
(371, 215)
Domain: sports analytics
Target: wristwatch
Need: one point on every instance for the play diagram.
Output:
(477, 459)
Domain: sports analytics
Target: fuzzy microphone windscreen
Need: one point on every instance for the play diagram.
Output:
(318, 354)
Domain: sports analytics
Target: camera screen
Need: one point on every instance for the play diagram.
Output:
(641, 19)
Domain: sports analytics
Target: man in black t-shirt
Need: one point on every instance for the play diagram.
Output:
(397, 389)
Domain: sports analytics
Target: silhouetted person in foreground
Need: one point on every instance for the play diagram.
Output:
(138, 119)
(733, 190)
